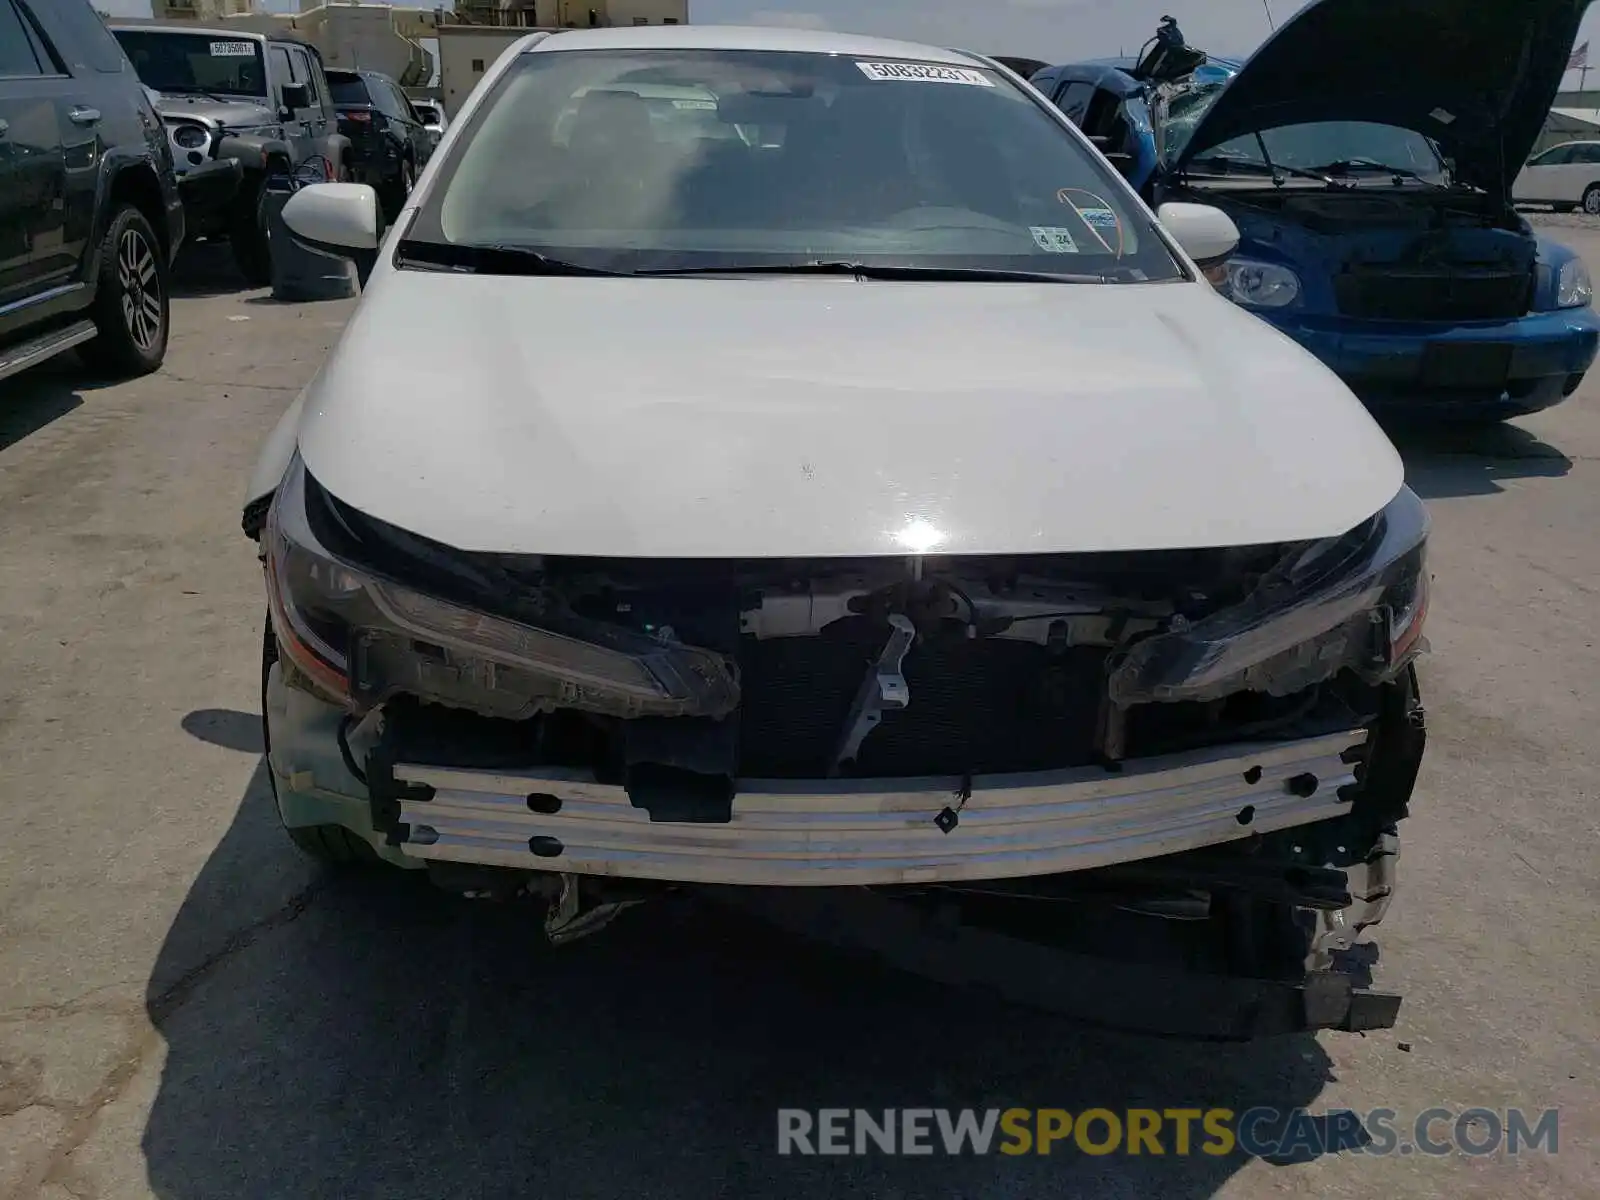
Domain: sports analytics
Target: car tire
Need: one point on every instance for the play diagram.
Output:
(1591, 200)
(331, 845)
(247, 233)
(132, 306)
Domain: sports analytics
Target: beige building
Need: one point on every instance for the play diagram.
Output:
(200, 10)
(467, 51)
(560, 14)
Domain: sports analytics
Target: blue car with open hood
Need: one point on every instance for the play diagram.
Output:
(1366, 153)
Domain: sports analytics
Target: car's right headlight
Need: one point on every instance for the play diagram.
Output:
(1251, 283)
(190, 137)
(1356, 602)
(360, 637)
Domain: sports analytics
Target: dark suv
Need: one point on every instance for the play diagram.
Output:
(90, 219)
(388, 140)
(240, 107)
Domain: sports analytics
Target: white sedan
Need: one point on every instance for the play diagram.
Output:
(879, 498)
(1566, 176)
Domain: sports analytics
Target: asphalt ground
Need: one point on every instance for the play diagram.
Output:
(190, 1010)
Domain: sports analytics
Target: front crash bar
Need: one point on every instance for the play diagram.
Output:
(1129, 997)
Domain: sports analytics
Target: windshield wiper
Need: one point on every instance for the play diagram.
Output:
(861, 270)
(1276, 170)
(184, 90)
(488, 260)
(1349, 166)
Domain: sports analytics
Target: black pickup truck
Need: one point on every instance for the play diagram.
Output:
(90, 218)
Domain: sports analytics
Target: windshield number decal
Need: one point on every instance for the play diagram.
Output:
(923, 73)
(1053, 239)
(233, 49)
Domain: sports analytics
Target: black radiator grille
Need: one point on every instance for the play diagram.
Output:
(1409, 294)
(983, 705)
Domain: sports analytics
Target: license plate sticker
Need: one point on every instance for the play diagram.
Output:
(233, 49)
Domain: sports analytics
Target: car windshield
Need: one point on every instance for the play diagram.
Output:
(686, 159)
(1347, 146)
(195, 62)
(347, 89)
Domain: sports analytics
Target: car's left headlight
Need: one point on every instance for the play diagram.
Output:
(1573, 286)
(360, 636)
(1355, 603)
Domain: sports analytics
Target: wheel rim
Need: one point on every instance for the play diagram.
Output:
(1591, 201)
(141, 289)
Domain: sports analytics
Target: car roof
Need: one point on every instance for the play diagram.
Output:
(737, 37)
(184, 27)
(236, 35)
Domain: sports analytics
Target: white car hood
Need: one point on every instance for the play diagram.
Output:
(818, 416)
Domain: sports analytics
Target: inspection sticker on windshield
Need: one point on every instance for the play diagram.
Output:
(1100, 218)
(233, 50)
(923, 73)
(696, 105)
(1054, 239)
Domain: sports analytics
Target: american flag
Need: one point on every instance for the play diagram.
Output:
(1580, 58)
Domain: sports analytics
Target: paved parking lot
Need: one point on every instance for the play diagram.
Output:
(187, 1009)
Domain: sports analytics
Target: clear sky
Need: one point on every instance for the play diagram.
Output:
(1049, 29)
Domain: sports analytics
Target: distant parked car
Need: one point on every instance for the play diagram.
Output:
(1371, 181)
(90, 217)
(239, 107)
(388, 141)
(433, 118)
(1563, 176)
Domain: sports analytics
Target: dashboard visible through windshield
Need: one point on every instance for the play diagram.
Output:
(1343, 147)
(699, 159)
(180, 63)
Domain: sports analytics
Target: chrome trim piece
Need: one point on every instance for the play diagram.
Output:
(43, 297)
(883, 831)
(32, 353)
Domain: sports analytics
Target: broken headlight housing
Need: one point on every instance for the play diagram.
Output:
(360, 636)
(1355, 603)
(1573, 287)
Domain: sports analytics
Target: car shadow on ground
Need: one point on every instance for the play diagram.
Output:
(44, 394)
(1445, 462)
(206, 269)
(374, 1037)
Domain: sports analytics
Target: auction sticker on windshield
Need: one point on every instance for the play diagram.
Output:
(1054, 239)
(233, 50)
(923, 73)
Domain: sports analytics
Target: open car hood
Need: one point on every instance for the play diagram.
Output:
(1477, 77)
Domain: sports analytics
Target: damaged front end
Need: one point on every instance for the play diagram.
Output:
(1212, 748)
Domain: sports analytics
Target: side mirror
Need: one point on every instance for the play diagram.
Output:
(296, 96)
(1207, 235)
(339, 216)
